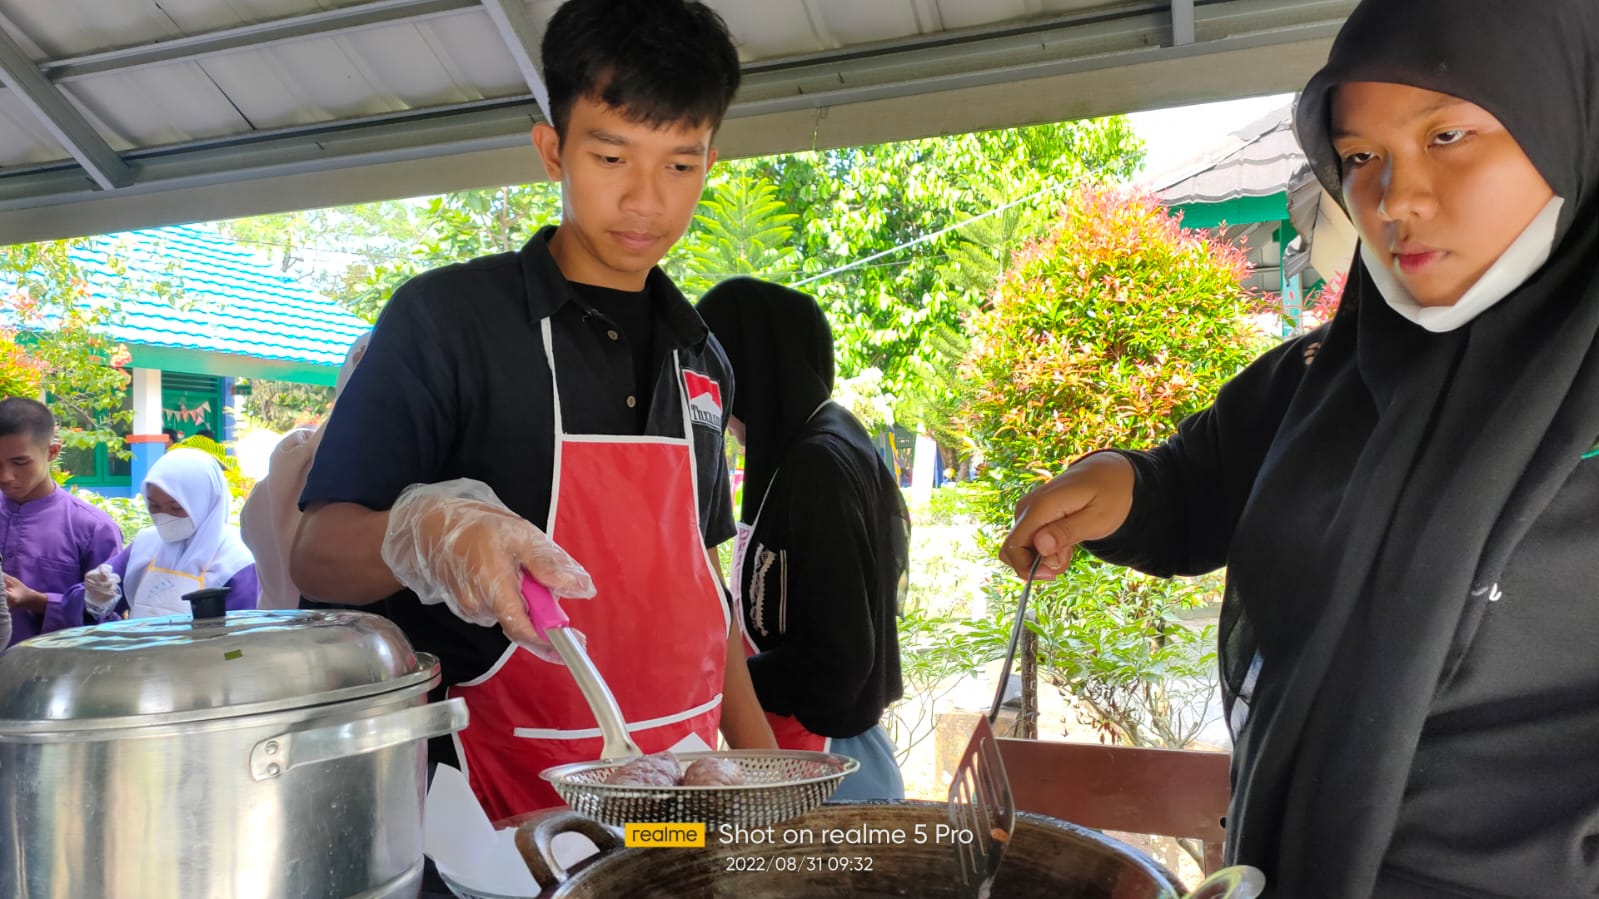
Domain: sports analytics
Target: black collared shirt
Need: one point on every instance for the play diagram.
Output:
(456, 385)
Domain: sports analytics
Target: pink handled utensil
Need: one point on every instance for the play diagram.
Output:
(553, 625)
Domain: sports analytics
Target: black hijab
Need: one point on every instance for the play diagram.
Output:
(1410, 464)
(781, 350)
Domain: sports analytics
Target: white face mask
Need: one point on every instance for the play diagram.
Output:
(1520, 260)
(172, 528)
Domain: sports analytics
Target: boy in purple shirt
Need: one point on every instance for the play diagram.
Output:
(49, 539)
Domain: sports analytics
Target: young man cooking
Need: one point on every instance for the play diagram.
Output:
(49, 538)
(559, 410)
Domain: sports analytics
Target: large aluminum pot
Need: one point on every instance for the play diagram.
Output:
(264, 754)
(1046, 859)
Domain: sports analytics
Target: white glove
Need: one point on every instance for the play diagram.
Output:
(456, 543)
(101, 587)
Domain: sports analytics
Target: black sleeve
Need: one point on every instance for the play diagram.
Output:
(716, 506)
(1189, 491)
(823, 576)
(393, 425)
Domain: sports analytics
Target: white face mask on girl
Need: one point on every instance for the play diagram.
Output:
(172, 528)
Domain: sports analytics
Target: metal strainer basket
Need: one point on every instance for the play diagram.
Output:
(778, 785)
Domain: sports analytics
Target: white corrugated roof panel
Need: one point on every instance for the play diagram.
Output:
(165, 101)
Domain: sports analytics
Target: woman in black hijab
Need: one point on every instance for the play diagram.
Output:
(1407, 499)
(822, 536)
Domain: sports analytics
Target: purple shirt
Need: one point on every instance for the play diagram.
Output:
(50, 544)
(244, 589)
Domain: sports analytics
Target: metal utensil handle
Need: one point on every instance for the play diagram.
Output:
(607, 714)
(1015, 636)
(552, 624)
(274, 756)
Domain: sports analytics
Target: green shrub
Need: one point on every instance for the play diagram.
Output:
(1115, 640)
(947, 505)
(936, 649)
(239, 484)
(130, 514)
(1106, 333)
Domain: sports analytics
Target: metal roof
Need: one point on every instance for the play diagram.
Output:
(1259, 160)
(188, 288)
(120, 114)
(1263, 160)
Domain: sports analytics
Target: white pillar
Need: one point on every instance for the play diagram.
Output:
(147, 401)
(922, 464)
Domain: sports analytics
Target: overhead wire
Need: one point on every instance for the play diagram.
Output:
(1051, 188)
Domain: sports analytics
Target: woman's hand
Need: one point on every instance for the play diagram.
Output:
(1091, 500)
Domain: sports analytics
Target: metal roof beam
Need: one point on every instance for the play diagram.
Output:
(257, 34)
(63, 120)
(997, 78)
(523, 37)
(391, 137)
(1082, 42)
(1182, 22)
(503, 122)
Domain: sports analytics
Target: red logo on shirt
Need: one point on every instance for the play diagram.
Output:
(704, 399)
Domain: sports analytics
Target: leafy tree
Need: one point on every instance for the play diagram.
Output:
(339, 251)
(1106, 332)
(900, 207)
(358, 255)
(742, 228)
(283, 405)
(56, 343)
(20, 373)
(239, 484)
(801, 219)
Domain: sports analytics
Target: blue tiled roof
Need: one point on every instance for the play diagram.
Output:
(220, 298)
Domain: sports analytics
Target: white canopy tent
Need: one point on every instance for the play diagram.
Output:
(118, 114)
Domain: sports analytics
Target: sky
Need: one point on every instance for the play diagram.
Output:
(1175, 134)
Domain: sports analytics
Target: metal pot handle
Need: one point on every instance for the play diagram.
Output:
(273, 756)
(540, 856)
(1235, 882)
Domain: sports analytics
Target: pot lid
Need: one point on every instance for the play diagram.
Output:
(151, 671)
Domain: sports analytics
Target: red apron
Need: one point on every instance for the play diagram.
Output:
(626, 508)
(790, 733)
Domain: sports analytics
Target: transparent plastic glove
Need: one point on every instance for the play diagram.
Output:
(100, 589)
(456, 543)
(5, 621)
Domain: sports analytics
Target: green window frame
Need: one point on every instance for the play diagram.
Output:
(97, 466)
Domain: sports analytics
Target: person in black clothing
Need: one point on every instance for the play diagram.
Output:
(557, 413)
(1405, 497)
(822, 537)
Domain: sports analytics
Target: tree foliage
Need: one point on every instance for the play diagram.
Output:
(895, 210)
(56, 344)
(805, 219)
(282, 405)
(358, 255)
(742, 228)
(1106, 332)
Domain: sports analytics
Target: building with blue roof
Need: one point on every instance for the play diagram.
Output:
(197, 312)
